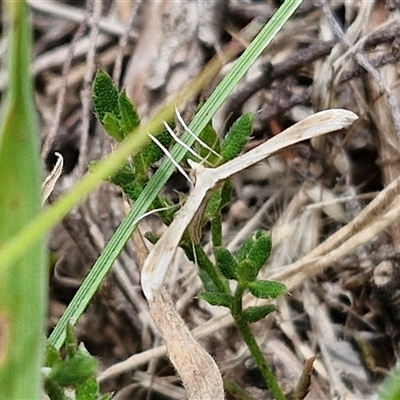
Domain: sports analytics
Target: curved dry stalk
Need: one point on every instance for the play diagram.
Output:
(199, 373)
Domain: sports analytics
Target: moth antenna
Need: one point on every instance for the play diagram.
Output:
(198, 140)
(168, 154)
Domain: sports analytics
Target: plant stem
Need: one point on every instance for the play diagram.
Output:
(253, 346)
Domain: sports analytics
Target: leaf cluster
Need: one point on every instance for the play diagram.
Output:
(72, 376)
(243, 267)
(119, 118)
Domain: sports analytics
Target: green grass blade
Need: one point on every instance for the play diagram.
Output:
(124, 231)
(23, 281)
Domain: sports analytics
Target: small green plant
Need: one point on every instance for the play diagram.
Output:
(72, 376)
(244, 265)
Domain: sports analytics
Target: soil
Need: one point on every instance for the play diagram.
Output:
(336, 55)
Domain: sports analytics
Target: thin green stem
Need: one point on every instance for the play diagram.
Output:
(253, 346)
(261, 362)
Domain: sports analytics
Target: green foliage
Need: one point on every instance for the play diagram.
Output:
(266, 289)
(129, 117)
(152, 153)
(113, 109)
(74, 376)
(256, 313)
(112, 126)
(260, 251)
(105, 96)
(119, 118)
(225, 262)
(243, 267)
(216, 299)
(237, 137)
(243, 251)
(211, 139)
(246, 271)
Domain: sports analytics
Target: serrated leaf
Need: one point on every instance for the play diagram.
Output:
(237, 137)
(129, 116)
(112, 126)
(257, 313)
(216, 299)
(266, 289)
(225, 262)
(246, 272)
(105, 96)
(261, 250)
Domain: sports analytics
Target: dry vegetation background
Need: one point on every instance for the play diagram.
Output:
(338, 54)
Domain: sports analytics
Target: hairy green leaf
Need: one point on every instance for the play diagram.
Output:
(111, 125)
(257, 313)
(237, 137)
(211, 139)
(225, 262)
(213, 207)
(105, 96)
(246, 272)
(129, 116)
(87, 390)
(261, 250)
(124, 175)
(216, 299)
(243, 251)
(152, 153)
(133, 190)
(266, 289)
(52, 356)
